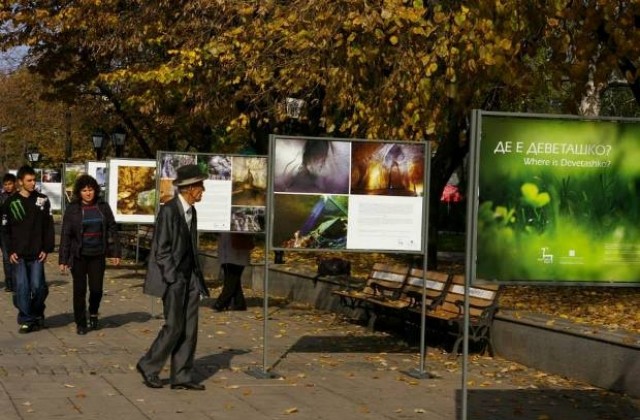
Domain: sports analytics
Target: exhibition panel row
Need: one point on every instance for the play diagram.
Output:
(317, 193)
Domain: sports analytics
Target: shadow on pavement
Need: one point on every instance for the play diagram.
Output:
(349, 344)
(129, 275)
(59, 320)
(546, 404)
(252, 302)
(112, 321)
(119, 320)
(208, 366)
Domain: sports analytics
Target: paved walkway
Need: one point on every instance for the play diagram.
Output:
(329, 369)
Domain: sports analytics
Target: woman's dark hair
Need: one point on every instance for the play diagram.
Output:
(82, 182)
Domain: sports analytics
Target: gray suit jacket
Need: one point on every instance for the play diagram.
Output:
(174, 251)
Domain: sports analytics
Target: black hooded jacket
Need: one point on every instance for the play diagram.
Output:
(29, 225)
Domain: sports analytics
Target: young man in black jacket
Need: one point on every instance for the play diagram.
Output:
(29, 236)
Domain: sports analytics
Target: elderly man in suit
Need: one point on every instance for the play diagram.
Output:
(174, 273)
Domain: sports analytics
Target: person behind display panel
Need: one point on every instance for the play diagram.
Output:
(234, 253)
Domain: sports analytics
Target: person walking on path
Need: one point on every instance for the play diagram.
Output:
(174, 273)
(89, 235)
(8, 189)
(29, 236)
(234, 253)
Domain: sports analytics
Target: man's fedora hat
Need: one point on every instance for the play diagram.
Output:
(188, 174)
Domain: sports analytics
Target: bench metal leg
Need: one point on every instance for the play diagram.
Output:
(456, 347)
(371, 323)
(478, 334)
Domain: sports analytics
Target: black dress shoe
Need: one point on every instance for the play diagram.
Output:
(152, 381)
(81, 330)
(93, 322)
(189, 386)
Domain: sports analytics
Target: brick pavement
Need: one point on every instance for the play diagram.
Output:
(328, 369)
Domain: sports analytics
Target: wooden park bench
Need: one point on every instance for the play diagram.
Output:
(397, 291)
(383, 284)
(391, 290)
(449, 312)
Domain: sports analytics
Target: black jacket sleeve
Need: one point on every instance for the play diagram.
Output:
(64, 250)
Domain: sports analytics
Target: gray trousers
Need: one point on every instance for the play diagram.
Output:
(179, 334)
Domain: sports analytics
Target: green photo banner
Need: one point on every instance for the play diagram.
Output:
(558, 199)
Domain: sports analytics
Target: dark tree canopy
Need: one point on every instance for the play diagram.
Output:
(214, 75)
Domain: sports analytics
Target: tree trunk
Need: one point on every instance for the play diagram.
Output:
(449, 156)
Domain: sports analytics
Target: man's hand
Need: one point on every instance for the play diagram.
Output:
(42, 256)
(13, 258)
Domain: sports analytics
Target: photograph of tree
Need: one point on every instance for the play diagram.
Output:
(311, 166)
(249, 181)
(559, 200)
(312, 221)
(387, 169)
(71, 172)
(132, 189)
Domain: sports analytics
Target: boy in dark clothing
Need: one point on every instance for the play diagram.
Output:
(29, 236)
(8, 189)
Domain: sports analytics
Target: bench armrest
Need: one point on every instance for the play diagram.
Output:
(415, 301)
(487, 311)
(379, 290)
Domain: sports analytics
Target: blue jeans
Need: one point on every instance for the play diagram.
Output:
(30, 290)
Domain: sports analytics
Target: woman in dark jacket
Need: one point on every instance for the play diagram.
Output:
(89, 236)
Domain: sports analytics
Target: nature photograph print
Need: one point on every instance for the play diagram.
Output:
(558, 200)
(309, 221)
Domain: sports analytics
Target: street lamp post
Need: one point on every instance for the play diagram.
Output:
(33, 155)
(117, 138)
(97, 138)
